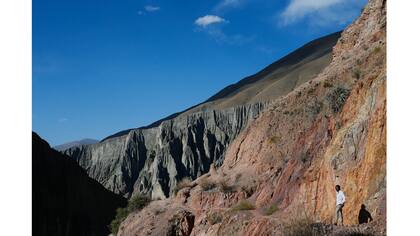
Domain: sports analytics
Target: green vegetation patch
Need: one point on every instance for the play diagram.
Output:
(243, 205)
(337, 98)
(136, 203)
(270, 210)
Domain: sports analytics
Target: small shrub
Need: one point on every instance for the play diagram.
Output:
(311, 90)
(224, 187)
(243, 205)
(214, 218)
(376, 50)
(120, 216)
(249, 189)
(185, 182)
(337, 98)
(238, 176)
(327, 85)
(356, 232)
(357, 73)
(158, 211)
(270, 210)
(274, 139)
(314, 108)
(338, 125)
(206, 184)
(298, 227)
(137, 203)
(304, 157)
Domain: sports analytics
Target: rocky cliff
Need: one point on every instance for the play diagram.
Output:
(284, 165)
(151, 160)
(65, 201)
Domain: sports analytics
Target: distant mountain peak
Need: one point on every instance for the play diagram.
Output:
(71, 144)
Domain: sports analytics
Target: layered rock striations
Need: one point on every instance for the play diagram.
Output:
(65, 201)
(284, 165)
(151, 160)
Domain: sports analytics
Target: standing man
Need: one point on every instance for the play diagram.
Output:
(340, 200)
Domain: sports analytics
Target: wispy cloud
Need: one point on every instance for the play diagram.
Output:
(224, 4)
(62, 120)
(151, 8)
(207, 20)
(320, 12)
(148, 8)
(234, 39)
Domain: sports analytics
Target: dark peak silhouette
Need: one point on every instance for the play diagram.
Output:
(65, 201)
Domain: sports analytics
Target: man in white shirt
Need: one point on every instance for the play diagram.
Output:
(340, 200)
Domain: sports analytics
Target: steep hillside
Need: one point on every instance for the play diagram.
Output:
(283, 167)
(151, 160)
(65, 201)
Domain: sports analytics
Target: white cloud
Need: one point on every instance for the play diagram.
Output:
(150, 8)
(208, 20)
(321, 11)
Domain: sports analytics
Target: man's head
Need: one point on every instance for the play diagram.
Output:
(363, 206)
(337, 188)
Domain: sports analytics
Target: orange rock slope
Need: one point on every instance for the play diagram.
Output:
(284, 166)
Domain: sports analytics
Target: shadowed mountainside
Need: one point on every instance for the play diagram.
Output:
(65, 201)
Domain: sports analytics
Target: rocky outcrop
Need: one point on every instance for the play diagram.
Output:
(281, 170)
(65, 201)
(151, 160)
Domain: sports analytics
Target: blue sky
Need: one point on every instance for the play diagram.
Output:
(101, 66)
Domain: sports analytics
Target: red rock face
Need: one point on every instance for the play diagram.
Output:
(331, 130)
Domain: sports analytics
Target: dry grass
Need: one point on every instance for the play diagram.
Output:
(357, 73)
(214, 217)
(243, 205)
(224, 187)
(184, 183)
(207, 184)
(274, 139)
(299, 227)
(270, 210)
(327, 84)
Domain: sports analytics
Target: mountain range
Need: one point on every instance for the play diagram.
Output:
(77, 143)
